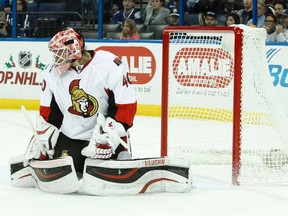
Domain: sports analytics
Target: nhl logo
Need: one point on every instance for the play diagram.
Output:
(25, 59)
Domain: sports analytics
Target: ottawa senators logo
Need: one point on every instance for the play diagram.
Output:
(83, 104)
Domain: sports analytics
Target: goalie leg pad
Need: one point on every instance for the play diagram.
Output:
(20, 175)
(52, 176)
(135, 176)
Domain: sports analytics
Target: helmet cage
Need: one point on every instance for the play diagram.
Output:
(60, 56)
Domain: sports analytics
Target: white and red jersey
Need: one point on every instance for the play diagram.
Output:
(71, 101)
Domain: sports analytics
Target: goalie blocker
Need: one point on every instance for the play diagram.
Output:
(103, 177)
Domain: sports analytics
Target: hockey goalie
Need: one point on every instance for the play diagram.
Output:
(80, 140)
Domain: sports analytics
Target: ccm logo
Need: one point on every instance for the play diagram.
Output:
(140, 61)
(203, 67)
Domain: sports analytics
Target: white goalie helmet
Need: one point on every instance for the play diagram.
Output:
(67, 46)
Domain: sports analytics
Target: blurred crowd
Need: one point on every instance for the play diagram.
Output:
(271, 15)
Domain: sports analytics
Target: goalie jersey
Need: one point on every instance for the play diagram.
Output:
(72, 100)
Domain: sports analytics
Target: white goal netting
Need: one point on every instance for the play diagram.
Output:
(201, 72)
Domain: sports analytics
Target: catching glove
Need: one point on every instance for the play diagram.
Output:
(105, 138)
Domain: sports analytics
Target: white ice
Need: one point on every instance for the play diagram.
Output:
(213, 193)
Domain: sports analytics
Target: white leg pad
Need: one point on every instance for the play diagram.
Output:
(21, 176)
(110, 177)
(52, 176)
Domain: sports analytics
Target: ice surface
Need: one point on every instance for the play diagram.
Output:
(213, 193)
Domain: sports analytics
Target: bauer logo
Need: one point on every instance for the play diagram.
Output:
(203, 67)
(140, 61)
(154, 162)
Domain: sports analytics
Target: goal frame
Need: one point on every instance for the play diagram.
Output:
(238, 45)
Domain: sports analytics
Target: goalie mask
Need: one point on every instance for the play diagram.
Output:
(67, 47)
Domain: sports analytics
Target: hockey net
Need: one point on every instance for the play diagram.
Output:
(219, 105)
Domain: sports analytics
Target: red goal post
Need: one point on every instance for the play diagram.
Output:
(218, 102)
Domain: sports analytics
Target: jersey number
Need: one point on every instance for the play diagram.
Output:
(126, 80)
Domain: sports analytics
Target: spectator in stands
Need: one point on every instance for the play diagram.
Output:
(282, 28)
(232, 19)
(129, 30)
(271, 27)
(210, 18)
(128, 12)
(281, 17)
(261, 10)
(156, 13)
(279, 7)
(228, 6)
(203, 6)
(23, 23)
(172, 4)
(5, 30)
(269, 7)
(245, 14)
(174, 17)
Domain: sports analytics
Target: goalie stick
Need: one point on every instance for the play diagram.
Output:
(28, 119)
(29, 148)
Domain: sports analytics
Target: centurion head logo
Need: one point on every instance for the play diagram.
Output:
(203, 67)
(83, 104)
